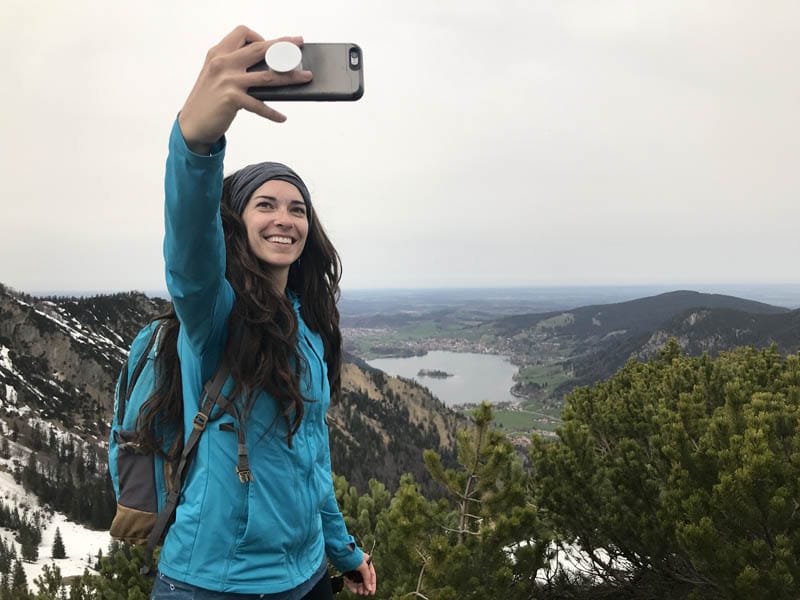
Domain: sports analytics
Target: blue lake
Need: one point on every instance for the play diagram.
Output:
(476, 377)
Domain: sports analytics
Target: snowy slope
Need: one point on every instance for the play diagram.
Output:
(81, 544)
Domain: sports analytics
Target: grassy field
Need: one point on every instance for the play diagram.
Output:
(548, 376)
(520, 419)
(524, 420)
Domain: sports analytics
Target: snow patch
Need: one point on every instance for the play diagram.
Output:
(11, 395)
(81, 544)
(5, 360)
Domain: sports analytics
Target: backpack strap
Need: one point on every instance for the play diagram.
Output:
(243, 463)
(123, 393)
(212, 396)
(125, 388)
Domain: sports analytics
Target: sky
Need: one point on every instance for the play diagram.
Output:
(507, 143)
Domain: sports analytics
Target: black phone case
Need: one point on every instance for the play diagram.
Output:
(335, 79)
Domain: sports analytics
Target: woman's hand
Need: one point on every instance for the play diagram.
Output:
(221, 88)
(369, 581)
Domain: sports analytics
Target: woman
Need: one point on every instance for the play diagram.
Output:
(254, 280)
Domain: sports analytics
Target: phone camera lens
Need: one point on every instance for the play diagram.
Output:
(355, 59)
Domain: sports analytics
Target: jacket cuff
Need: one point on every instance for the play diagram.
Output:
(178, 142)
(344, 558)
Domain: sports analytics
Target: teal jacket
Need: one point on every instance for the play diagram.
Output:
(272, 534)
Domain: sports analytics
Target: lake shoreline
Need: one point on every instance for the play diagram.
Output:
(473, 376)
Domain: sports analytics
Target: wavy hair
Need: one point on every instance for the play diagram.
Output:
(161, 415)
(262, 345)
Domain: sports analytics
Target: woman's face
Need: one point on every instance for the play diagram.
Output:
(277, 224)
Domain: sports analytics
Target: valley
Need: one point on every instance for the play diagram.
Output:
(567, 345)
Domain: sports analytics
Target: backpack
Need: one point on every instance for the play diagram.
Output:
(146, 484)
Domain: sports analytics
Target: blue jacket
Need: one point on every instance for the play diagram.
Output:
(272, 534)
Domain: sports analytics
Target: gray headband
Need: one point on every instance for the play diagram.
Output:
(246, 181)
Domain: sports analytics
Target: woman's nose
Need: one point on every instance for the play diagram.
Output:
(283, 218)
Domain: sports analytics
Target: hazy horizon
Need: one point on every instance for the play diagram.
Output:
(779, 294)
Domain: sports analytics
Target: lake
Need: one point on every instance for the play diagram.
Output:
(476, 377)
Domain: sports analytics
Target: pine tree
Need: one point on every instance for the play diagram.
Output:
(5, 558)
(680, 476)
(85, 587)
(58, 546)
(119, 574)
(491, 538)
(50, 584)
(19, 582)
(29, 546)
(403, 534)
(483, 540)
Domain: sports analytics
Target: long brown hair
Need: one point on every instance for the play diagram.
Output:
(161, 415)
(262, 348)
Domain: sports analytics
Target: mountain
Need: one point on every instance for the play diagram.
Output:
(591, 343)
(713, 330)
(697, 330)
(59, 361)
(631, 317)
(60, 357)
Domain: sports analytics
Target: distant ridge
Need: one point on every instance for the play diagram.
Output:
(697, 331)
(633, 316)
(596, 341)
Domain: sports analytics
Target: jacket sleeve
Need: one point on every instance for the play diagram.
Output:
(340, 546)
(194, 245)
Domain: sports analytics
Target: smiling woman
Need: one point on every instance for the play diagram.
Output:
(254, 281)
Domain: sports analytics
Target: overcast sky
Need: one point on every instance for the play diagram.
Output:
(497, 143)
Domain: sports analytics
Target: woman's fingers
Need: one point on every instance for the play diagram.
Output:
(268, 78)
(271, 78)
(259, 108)
(237, 38)
(371, 581)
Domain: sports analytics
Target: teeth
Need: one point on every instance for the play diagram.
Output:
(279, 239)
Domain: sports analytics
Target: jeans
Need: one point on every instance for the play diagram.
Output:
(166, 588)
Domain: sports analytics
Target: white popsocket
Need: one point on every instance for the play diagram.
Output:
(283, 57)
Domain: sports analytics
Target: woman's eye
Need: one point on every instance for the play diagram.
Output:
(265, 205)
(299, 210)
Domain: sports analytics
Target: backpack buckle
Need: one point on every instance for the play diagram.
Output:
(245, 476)
(200, 421)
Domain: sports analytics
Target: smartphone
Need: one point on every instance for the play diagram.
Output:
(338, 75)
